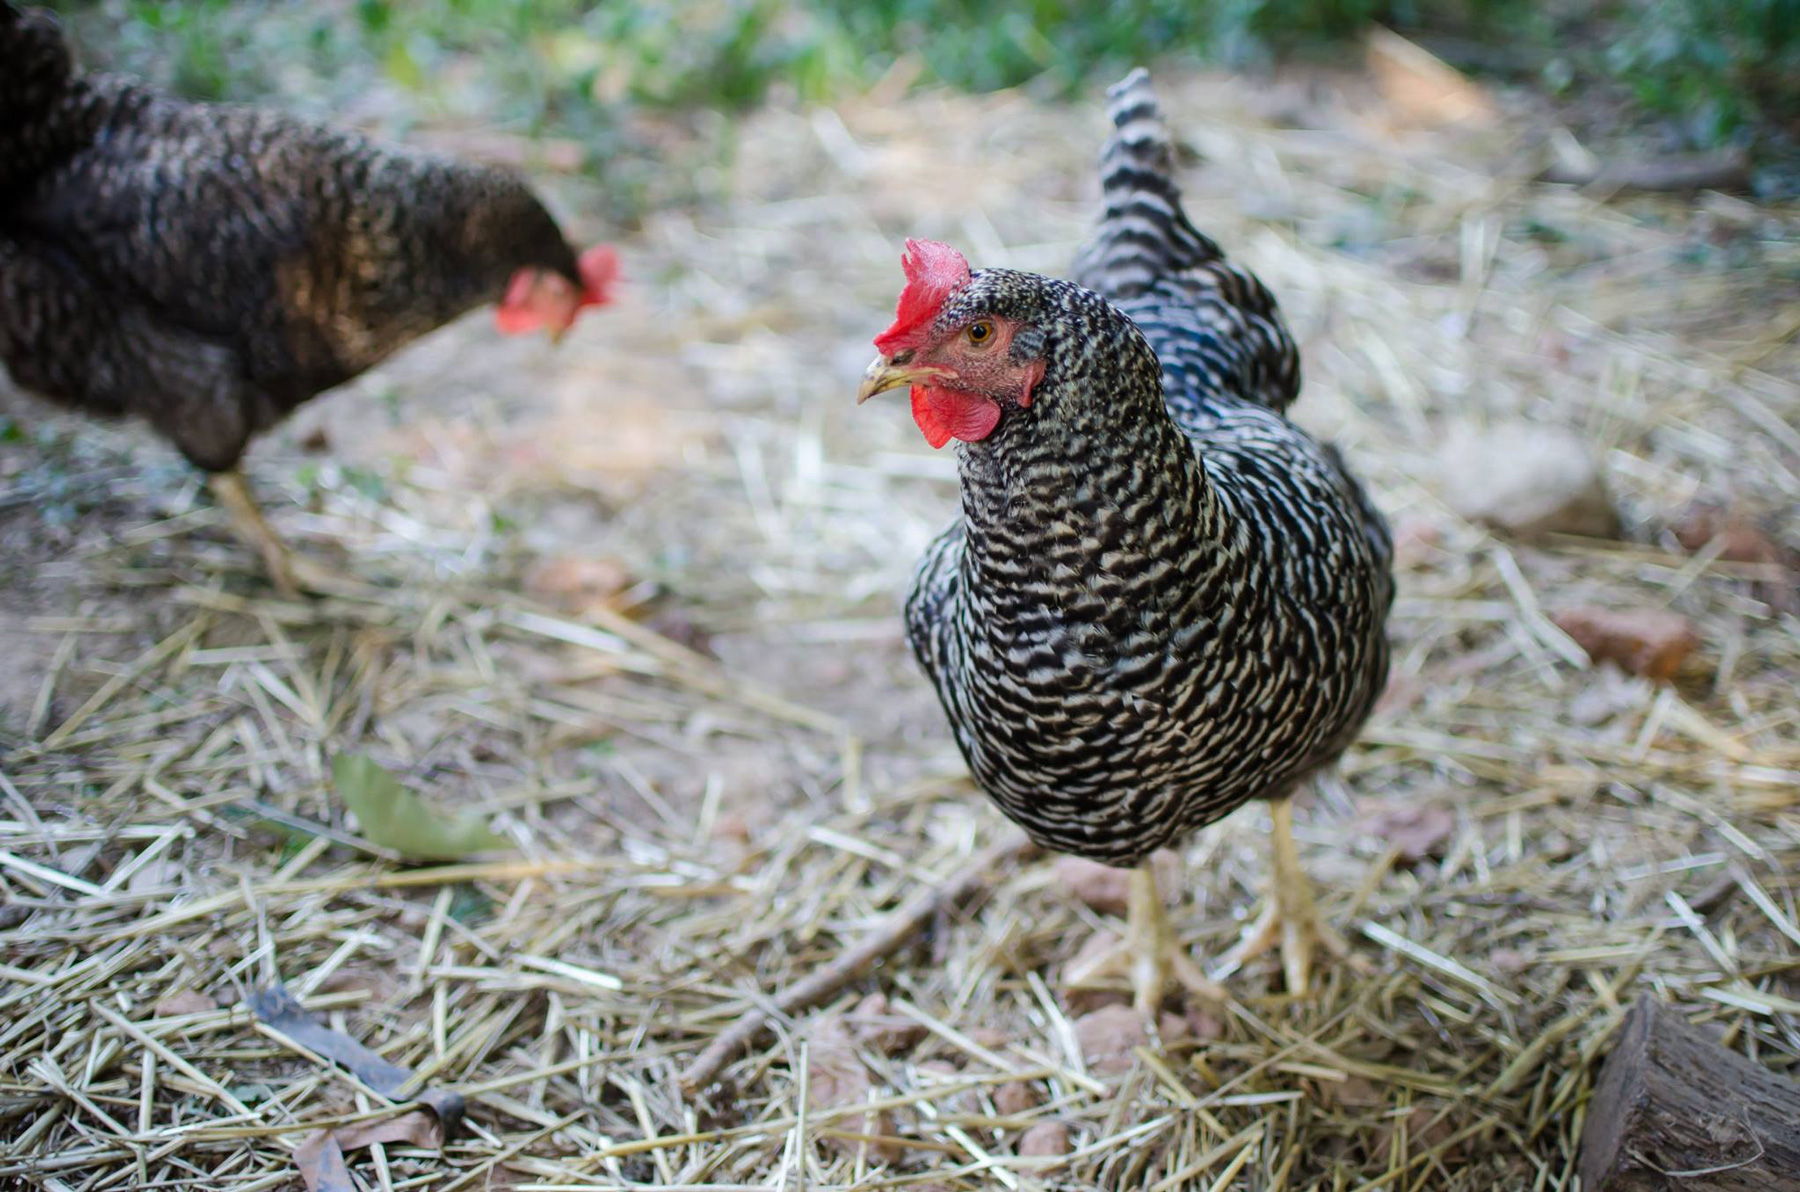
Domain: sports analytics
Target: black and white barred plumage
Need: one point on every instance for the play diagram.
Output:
(1162, 599)
(210, 267)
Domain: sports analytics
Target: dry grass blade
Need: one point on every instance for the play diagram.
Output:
(894, 931)
(633, 604)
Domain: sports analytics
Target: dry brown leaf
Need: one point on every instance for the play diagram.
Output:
(1421, 88)
(320, 1157)
(1652, 642)
(279, 1009)
(1418, 830)
(321, 1163)
(419, 1127)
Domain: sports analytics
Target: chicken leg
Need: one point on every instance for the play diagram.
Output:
(1150, 955)
(1289, 917)
(232, 492)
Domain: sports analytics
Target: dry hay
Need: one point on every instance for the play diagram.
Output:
(694, 836)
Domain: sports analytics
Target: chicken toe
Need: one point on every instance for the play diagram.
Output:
(232, 491)
(1149, 955)
(1290, 918)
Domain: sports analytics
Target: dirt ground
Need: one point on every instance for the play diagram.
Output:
(636, 599)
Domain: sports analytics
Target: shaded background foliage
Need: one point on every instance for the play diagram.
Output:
(1719, 70)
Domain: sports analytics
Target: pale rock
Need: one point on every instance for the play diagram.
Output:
(1528, 480)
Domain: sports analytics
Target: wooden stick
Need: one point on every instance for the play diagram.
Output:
(899, 927)
(1676, 1109)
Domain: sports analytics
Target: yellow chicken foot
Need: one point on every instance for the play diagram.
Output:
(1149, 954)
(289, 575)
(1289, 916)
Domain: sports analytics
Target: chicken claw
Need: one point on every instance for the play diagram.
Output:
(291, 575)
(1289, 917)
(1149, 954)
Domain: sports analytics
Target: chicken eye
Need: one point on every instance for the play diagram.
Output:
(980, 333)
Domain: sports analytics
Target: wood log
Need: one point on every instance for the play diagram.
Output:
(1675, 1109)
(1725, 169)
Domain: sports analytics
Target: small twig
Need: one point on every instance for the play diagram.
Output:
(899, 927)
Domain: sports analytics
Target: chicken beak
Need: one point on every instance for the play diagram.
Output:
(883, 375)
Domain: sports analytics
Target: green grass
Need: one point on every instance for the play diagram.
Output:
(574, 68)
(1718, 65)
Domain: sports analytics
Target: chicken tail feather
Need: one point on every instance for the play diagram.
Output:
(1144, 234)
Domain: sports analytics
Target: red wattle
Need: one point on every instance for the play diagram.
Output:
(945, 414)
(599, 269)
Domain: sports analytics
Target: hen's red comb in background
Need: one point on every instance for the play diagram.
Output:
(933, 272)
(599, 268)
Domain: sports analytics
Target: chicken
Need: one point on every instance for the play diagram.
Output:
(1162, 599)
(210, 267)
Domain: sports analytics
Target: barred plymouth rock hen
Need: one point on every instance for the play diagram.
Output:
(1163, 599)
(212, 267)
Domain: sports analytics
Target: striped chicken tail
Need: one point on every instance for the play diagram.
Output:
(33, 80)
(1144, 235)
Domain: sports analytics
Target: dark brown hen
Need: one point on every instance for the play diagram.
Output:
(1163, 599)
(211, 267)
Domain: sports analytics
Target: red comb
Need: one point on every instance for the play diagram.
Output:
(599, 269)
(933, 272)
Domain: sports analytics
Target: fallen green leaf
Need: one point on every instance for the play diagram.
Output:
(393, 817)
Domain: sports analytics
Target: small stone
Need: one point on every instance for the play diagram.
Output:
(1607, 693)
(1102, 887)
(1401, 692)
(1107, 1038)
(188, 1001)
(1738, 539)
(1044, 1140)
(1203, 1024)
(990, 1037)
(577, 582)
(945, 1072)
(1424, 1130)
(1353, 1092)
(1415, 539)
(1016, 1097)
(1080, 1000)
(1651, 642)
(1743, 540)
(731, 826)
(877, 1024)
(1508, 962)
(1527, 480)
(836, 1076)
